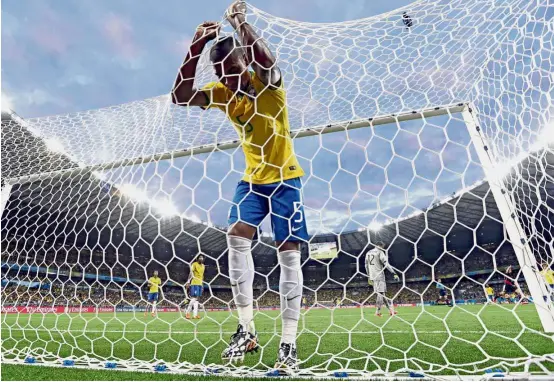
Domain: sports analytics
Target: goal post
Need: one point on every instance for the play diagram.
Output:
(495, 173)
(5, 195)
(229, 145)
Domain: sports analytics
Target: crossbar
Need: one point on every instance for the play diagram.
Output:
(300, 133)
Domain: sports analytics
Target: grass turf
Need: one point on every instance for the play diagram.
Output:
(465, 337)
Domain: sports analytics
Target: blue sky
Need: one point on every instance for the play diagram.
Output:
(63, 57)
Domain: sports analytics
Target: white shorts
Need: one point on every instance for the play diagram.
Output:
(380, 286)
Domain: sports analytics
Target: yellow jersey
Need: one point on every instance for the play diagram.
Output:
(262, 124)
(548, 275)
(489, 291)
(197, 273)
(155, 283)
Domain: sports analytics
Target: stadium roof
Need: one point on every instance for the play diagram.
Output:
(85, 210)
(22, 145)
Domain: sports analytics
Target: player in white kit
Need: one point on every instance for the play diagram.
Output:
(376, 261)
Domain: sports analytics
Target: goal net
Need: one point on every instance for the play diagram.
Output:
(429, 128)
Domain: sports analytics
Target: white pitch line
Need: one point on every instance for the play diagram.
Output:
(55, 331)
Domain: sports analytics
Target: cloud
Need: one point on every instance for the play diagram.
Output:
(181, 46)
(329, 10)
(51, 31)
(7, 102)
(39, 97)
(12, 50)
(119, 33)
(50, 39)
(10, 24)
(76, 79)
(325, 221)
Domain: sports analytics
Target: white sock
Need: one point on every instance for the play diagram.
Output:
(290, 288)
(189, 306)
(195, 308)
(290, 327)
(241, 274)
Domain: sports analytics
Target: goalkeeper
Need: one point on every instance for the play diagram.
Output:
(376, 261)
(255, 103)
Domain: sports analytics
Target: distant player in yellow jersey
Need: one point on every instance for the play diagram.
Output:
(154, 283)
(194, 285)
(255, 103)
(490, 293)
(548, 275)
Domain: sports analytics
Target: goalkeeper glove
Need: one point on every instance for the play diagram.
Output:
(370, 282)
(396, 278)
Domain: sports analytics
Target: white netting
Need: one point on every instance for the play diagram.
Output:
(392, 124)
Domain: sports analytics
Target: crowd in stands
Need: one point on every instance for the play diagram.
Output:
(464, 274)
(84, 295)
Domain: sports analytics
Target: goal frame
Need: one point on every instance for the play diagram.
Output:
(505, 203)
(506, 206)
(233, 144)
(503, 200)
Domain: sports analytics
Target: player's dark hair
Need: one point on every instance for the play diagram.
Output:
(380, 244)
(223, 47)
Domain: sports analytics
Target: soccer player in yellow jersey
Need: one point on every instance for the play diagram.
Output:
(490, 293)
(194, 284)
(154, 283)
(255, 103)
(548, 275)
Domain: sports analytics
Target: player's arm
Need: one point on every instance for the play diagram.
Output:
(385, 261)
(369, 281)
(189, 278)
(183, 92)
(258, 53)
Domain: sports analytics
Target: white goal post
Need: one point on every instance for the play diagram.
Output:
(229, 145)
(495, 173)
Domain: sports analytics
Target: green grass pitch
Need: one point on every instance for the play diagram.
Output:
(466, 338)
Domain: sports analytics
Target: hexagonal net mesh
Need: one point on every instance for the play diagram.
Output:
(428, 129)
